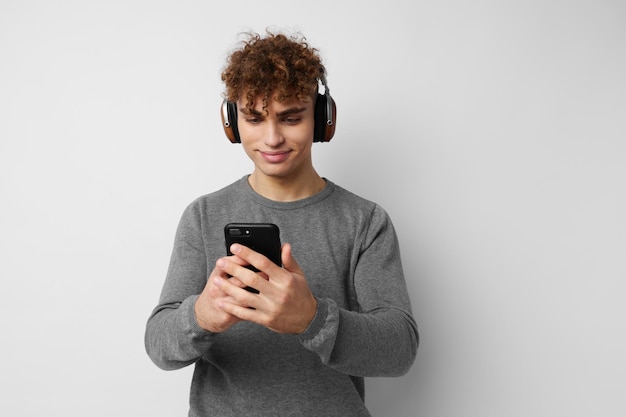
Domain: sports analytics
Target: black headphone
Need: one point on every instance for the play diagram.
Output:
(325, 117)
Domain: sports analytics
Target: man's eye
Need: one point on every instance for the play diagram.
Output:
(253, 120)
(292, 120)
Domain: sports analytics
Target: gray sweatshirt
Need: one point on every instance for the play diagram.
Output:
(348, 250)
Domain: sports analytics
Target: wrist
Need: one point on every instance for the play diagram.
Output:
(312, 313)
(205, 325)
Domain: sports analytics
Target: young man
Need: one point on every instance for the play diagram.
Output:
(335, 312)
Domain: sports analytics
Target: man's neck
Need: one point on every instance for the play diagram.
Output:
(286, 189)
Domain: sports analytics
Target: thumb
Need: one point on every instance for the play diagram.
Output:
(289, 262)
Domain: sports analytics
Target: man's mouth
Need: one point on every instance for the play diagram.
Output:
(275, 156)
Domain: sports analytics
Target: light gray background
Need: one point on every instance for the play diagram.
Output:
(492, 131)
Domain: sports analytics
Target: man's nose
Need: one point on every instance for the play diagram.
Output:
(273, 134)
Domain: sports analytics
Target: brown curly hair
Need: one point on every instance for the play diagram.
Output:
(276, 65)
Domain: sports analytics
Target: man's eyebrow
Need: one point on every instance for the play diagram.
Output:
(287, 112)
(251, 112)
(290, 111)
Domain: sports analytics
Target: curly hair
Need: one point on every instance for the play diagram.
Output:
(276, 65)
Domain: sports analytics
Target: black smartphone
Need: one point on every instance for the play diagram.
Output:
(260, 237)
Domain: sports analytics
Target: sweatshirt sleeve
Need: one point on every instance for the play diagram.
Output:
(380, 337)
(173, 338)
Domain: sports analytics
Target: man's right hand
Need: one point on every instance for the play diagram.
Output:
(209, 315)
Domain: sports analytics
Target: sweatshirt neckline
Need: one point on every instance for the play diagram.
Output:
(286, 205)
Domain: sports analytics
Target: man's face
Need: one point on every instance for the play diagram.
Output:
(279, 139)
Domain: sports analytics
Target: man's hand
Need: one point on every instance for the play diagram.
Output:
(284, 304)
(208, 313)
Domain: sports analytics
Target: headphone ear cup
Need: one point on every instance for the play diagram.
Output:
(325, 118)
(229, 121)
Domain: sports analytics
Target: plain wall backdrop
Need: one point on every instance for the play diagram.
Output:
(493, 132)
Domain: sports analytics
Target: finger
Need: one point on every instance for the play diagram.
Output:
(235, 294)
(237, 282)
(238, 260)
(247, 277)
(241, 312)
(227, 265)
(289, 262)
(259, 261)
(215, 291)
